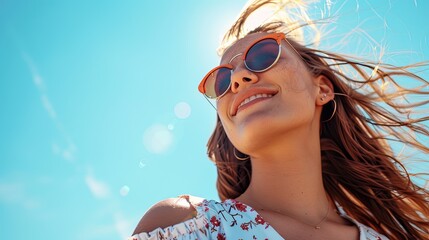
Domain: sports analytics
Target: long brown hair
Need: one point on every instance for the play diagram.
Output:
(361, 171)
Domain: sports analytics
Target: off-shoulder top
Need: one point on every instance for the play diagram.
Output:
(232, 219)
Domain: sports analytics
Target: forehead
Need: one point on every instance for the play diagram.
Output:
(240, 46)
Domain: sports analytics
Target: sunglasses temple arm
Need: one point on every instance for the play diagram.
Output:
(210, 102)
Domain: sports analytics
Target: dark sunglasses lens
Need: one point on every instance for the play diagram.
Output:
(262, 55)
(218, 82)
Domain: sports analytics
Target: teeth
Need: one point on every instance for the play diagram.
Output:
(251, 98)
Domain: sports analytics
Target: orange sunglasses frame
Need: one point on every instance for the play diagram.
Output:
(276, 36)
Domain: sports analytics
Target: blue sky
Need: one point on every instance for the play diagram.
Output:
(100, 113)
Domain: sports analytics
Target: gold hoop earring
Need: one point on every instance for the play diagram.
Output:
(333, 112)
(240, 158)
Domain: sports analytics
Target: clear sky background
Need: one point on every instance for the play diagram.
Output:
(100, 113)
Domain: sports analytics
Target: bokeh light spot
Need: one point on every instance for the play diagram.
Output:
(182, 110)
(124, 190)
(157, 138)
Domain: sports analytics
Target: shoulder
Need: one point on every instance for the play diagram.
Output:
(168, 212)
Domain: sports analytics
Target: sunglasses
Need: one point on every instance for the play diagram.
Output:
(260, 56)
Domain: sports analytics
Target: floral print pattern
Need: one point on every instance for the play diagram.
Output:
(231, 219)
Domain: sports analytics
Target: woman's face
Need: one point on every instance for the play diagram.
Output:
(285, 98)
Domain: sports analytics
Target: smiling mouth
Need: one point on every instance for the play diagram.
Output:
(253, 99)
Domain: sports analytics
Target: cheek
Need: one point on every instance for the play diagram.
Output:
(228, 128)
(221, 106)
(297, 89)
(295, 77)
(223, 112)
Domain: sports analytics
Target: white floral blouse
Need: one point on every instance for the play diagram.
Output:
(232, 219)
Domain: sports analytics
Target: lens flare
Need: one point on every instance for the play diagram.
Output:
(142, 164)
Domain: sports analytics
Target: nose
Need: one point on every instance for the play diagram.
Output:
(242, 78)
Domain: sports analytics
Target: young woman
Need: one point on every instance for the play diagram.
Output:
(302, 146)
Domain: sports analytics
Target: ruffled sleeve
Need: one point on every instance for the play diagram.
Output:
(194, 228)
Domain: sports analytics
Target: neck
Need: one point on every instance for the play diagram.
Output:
(287, 179)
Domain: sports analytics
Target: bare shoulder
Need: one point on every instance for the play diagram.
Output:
(168, 212)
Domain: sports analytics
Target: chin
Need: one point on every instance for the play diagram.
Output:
(251, 135)
(248, 140)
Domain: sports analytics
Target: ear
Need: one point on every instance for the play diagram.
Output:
(325, 90)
